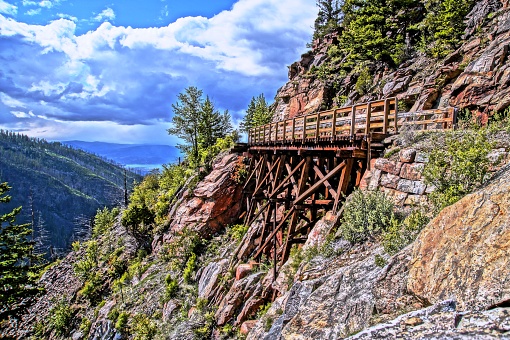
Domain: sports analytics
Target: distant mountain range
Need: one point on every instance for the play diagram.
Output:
(142, 157)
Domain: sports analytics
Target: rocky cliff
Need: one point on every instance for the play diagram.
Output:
(475, 76)
(450, 280)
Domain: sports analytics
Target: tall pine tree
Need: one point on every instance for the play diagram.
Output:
(18, 264)
(258, 113)
(213, 124)
(186, 119)
(197, 122)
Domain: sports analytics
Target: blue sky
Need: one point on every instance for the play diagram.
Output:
(110, 70)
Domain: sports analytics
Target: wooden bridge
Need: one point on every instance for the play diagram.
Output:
(302, 167)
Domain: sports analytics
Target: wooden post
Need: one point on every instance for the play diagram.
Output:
(353, 121)
(386, 114)
(317, 124)
(396, 116)
(333, 126)
(293, 129)
(369, 116)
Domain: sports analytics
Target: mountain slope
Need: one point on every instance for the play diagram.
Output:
(61, 185)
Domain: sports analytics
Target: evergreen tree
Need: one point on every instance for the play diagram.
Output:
(328, 18)
(197, 122)
(186, 119)
(378, 30)
(17, 262)
(443, 26)
(258, 113)
(213, 124)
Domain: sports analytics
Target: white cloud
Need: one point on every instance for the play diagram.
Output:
(33, 12)
(29, 3)
(67, 16)
(46, 4)
(7, 8)
(130, 76)
(23, 115)
(106, 14)
(11, 102)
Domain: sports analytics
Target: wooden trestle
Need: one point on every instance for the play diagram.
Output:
(302, 167)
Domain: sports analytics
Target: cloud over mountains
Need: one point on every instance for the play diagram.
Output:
(114, 81)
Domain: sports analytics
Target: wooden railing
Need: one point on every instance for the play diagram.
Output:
(378, 116)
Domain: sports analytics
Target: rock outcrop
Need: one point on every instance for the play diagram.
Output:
(476, 76)
(213, 204)
(464, 253)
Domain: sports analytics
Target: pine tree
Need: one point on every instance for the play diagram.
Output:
(258, 113)
(213, 124)
(377, 30)
(443, 26)
(17, 261)
(197, 122)
(186, 119)
(329, 17)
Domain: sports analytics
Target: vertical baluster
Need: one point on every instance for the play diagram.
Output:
(369, 116)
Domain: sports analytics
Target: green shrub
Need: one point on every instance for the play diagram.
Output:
(190, 268)
(366, 214)
(60, 317)
(85, 326)
(457, 167)
(171, 287)
(237, 232)
(91, 290)
(364, 81)
(400, 234)
(121, 322)
(84, 268)
(379, 261)
(142, 327)
(104, 221)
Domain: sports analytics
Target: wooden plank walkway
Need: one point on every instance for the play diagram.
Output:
(342, 124)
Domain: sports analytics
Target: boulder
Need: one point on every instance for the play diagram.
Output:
(464, 252)
(214, 203)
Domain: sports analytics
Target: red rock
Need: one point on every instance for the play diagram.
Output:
(247, 326)
(243, 270)
(412, 171)
(389, 181)
(407, 155)
(388, 166)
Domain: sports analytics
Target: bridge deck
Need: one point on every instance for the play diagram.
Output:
(348, 124)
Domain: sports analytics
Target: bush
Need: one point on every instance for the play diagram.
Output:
(60, 317)
(142, 327)
(104, 220)
(121, 322)
(400, 234)
(171, 287)
(237, 232)
(190, 268)
(366, 214)
(457, 167)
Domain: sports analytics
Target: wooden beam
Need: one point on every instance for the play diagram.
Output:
(317, 185)
(275, 230)
(344, 182)
(261, 210)
(326, 183)
(291, 173)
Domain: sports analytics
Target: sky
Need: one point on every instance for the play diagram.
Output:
(109, 71)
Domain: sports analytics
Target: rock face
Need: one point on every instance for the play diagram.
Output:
(442, 321)
(476, 76)
(213, 204)
(465, 251)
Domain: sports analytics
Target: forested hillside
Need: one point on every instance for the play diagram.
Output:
(59, 187)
